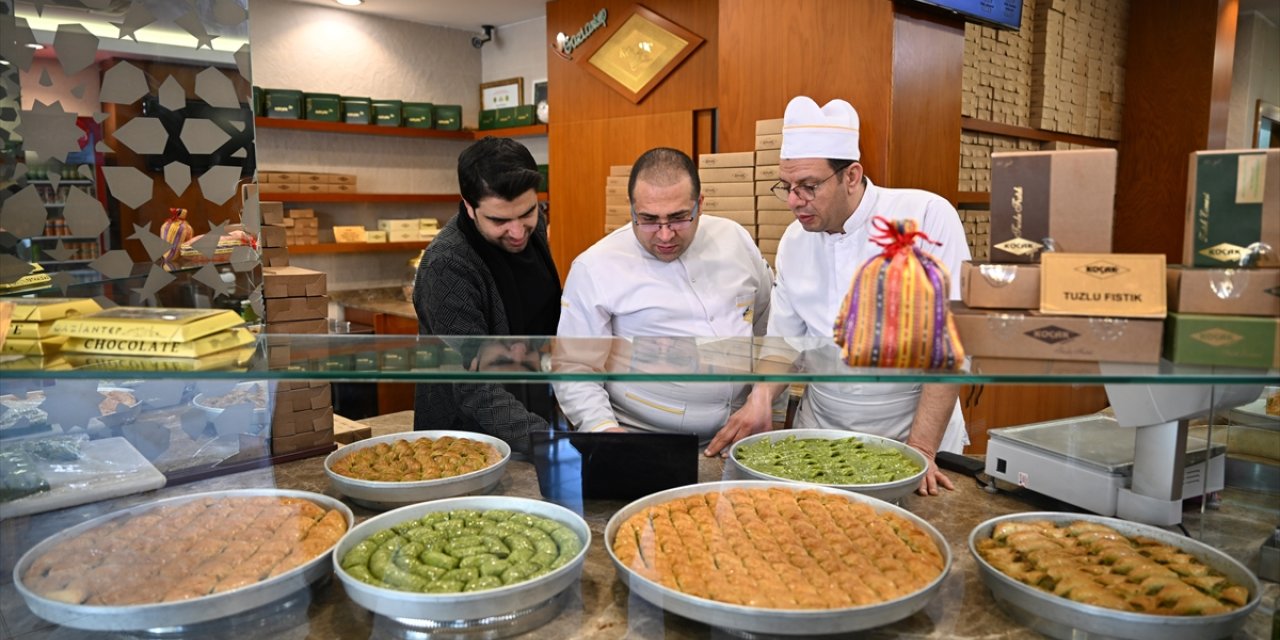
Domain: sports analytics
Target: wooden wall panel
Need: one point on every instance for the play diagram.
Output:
(576, 95)
(1169, 103)
(592, 125)
(582, 153)
(928, 66)
(771, 52)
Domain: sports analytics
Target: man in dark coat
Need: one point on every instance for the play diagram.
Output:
(489, 273)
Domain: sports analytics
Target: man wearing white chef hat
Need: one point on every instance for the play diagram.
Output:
(824, 185)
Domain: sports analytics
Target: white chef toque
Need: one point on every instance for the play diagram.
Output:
(810, 132)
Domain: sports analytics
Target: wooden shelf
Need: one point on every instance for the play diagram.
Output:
(513, 132)
(399, 132)
(973, 197)
(357, 247)
(360, 129)
(360, 197)
(1027, 133)
(370, 197)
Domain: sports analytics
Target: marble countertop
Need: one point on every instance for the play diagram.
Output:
(600, 606)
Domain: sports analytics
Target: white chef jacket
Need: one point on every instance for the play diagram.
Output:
(815, 271)
(720, 287)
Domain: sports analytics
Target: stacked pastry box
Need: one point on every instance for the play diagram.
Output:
(156, 339)
(1072, 299)
(772, 214)
(1224, 300)
(617, 206)
(295, 301)
(727, 191)
(30, 331)
(295, 182)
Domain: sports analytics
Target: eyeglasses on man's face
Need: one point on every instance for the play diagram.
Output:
(676, 222)
(806, 192)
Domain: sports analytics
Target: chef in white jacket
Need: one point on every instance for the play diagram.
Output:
(666, 283)
(825, 187)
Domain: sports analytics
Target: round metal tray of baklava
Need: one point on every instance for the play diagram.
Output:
(775, 621)
(468, 608)
(892, 490)
(382, 495)
(1059, 617)
(175, 615)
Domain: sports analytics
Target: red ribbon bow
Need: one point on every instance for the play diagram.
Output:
(176, 213)
(897, 235)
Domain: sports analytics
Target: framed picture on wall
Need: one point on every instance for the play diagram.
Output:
(641, 53)
(502, 93)
(539, 91)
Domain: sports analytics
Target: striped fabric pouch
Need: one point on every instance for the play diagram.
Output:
(897, 311)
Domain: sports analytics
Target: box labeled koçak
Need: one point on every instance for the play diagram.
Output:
(1233, 201)
(1031, 335)
(1000, 286)
(1068, 196)
(1234, 292)
(1233, 341)
(1121, 285)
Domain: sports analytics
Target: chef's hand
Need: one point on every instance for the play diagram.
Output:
(754, 417)
(933, 476)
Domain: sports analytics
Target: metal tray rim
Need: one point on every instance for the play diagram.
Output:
(169, 614)
(476, 604)
(385, 492)
(883, 490)
(777, 621)
(1054, 608)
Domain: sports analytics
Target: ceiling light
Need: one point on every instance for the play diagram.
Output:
(34, 45)
(350, 3)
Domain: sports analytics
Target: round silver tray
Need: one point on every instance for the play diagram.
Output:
(1059, 617)
(883, 490)
(175, 614)
(774, 621)
(475, 605)
(389, 495)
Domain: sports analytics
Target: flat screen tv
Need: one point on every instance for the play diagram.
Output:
(1001, 14)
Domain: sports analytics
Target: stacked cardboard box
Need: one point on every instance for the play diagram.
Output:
(1088, 304)
(772, 214)
(400, 230)
(295, 301)
(977, 229)
(301, 416)
(727, 191)
(292, 182)
(617, 206)
(1222, 314)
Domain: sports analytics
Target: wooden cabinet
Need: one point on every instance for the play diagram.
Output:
(392, 396)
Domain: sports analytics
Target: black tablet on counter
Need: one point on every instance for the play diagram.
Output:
(573, 466)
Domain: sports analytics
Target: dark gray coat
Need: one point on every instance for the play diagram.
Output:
(454, 294)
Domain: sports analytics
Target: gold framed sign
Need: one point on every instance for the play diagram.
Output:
(502, 93)
(641, 53)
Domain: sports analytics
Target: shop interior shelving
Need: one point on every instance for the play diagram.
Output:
(357, 247)
(402, 132)
(369, 197)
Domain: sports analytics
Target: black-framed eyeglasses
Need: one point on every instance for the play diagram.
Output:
(676, 223)
(806, 192)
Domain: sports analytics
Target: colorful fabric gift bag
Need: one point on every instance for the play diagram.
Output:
(897, 311)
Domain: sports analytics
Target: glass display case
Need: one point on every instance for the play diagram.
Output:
(211, 430)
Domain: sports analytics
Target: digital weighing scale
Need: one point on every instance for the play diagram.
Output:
(1087, 460)
(1137, 465)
